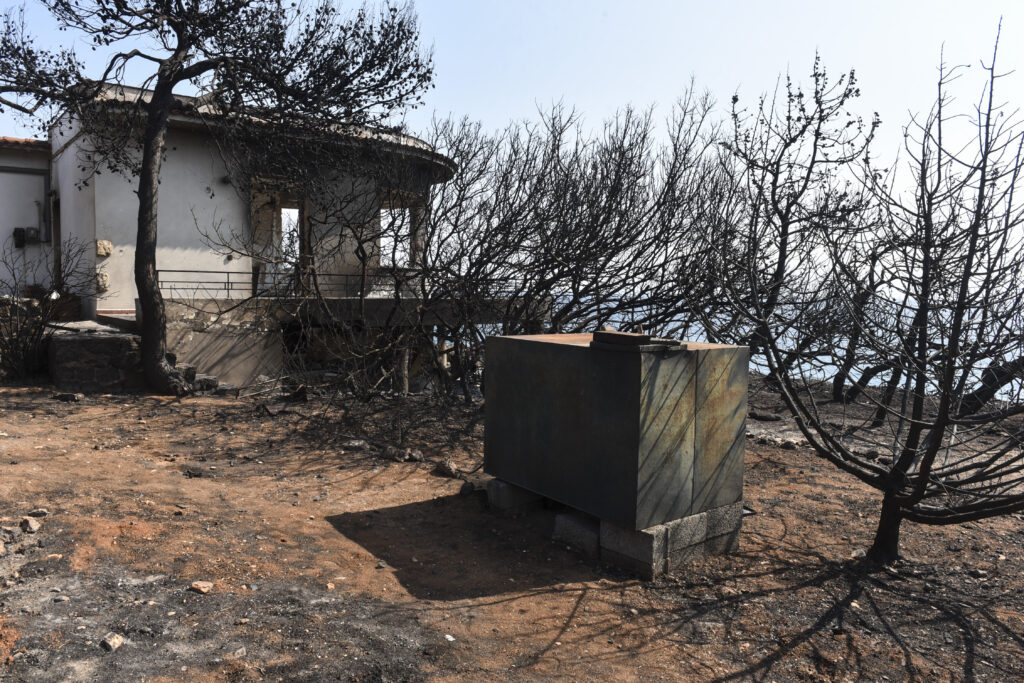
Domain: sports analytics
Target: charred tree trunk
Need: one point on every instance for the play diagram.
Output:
(160, 375)
(886, 400)
(886, 546)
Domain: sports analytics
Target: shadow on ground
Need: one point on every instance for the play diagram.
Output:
(481, 554)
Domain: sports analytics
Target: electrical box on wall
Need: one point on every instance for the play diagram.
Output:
(23, 236)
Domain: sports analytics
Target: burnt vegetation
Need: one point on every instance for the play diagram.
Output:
(891, 295)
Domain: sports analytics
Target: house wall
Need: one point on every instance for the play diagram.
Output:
(193, 199)
(199, 215)
(22, 197)
(70, 171)
(345, 214)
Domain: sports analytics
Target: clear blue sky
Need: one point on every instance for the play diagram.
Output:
(500, 61)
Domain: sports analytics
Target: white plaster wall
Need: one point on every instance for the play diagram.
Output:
(193, 199)
(22, 197)
(348, 207)
(70, 169)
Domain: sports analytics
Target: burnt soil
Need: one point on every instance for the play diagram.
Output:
(333, 562)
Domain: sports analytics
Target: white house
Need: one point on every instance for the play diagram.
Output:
(215, 241)
(25, 212)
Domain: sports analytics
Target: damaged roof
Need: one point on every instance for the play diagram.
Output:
(26, 144)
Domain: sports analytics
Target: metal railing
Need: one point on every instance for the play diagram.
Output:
(233, 284)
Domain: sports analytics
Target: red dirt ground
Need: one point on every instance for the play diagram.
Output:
(335, 564)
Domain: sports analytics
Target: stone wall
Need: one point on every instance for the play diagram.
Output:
(236, 343)
(93, 358)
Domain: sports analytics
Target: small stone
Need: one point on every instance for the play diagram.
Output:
(61, 598)
(39, 512)
(203, 587)
(705, 632)
(225, 389)
(396, 454)
(466, 489)
(414, 454)
(243, 621)
(382, 565)
(858, 554)
(354, 445)
(330, 586)
(449, 637)
(111, 642)
(978, 573)
(447, 468)
(30, 525)
(237, 654)
(188, 372)
(204, 382)
(68, 397)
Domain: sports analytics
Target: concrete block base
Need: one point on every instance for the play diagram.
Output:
(659, 549)
(648, 552)
(578, 530)
(512, 499)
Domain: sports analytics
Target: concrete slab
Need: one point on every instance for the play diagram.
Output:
(724, 520)
(685, 532)
(664, 547)
(642, 551)
(724, 544)
(578, 530)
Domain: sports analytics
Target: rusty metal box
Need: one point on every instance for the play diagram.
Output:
(635, 434)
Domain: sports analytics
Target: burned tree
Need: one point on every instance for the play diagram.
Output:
(789, 161)
(35, 292)
(335, 241)
(547, 227)
(926, 364)
(541, 227)
(305, 66)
